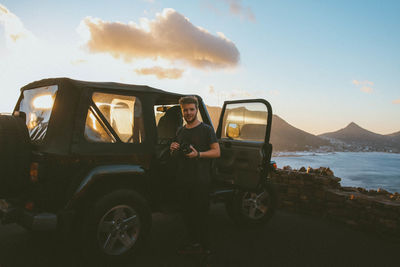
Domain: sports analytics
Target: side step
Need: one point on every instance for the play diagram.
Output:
(33, 221)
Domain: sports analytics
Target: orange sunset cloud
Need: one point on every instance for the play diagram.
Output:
(169, 36)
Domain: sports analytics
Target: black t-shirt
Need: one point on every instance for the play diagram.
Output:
(200, 137)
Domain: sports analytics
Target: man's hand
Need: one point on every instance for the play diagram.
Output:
(174, 147)
(192, 154)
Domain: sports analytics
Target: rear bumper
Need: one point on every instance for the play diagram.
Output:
(34, 221)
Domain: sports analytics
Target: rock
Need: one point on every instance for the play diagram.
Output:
(329, 172)
(362, 190)
(325, 171)
(322, 171)
(287, 168)
(372, 192)
(331, 196)
(382, 191)
(320, 194)
(349, 189)
(318, 191)
(394, 197)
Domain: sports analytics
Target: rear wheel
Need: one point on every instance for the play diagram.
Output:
(249, 208)
(116, 227)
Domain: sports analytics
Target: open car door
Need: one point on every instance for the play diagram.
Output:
(243, 134)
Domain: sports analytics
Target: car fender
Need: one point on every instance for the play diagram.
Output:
(100, 173)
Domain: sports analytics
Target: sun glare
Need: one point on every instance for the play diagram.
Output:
(93, 118)
(43, 102)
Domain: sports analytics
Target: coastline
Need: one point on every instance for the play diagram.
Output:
(320, 152)
(370, 170)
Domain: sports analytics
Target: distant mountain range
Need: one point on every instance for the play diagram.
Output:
(285, 137)
(354, 137)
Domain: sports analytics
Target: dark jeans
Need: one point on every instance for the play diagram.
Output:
(194, 202)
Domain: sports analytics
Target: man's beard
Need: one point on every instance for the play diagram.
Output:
(194, 118)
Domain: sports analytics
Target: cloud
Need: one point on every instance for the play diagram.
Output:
(397, 101)
(274, 92)
(169, 36)
(161, 73)
(365, 86)
(366, 89)
(236, 8)
(3, 10)
(356, 82)
(14, 29)
(236, 94)
(78, 61)
(240, 94)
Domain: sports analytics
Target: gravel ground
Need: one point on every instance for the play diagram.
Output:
(287, 240)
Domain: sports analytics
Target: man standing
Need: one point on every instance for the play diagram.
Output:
(196, 144)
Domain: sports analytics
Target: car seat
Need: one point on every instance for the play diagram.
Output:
(170, 123)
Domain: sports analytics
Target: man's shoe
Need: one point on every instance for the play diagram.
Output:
(194, 248)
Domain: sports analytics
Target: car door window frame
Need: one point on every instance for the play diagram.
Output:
(259, 100)
(103, 121)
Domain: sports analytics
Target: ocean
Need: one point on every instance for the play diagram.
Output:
(371, 170)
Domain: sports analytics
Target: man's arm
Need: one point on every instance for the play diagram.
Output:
(213, 152)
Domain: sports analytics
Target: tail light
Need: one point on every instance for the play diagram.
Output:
(273, 165)
(29, 205)
(34, 172)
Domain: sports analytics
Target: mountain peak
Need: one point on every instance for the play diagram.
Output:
(353, 126)
(352, 129)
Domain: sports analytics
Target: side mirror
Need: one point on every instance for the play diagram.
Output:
(233, 130)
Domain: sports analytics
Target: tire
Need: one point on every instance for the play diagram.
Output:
(115, 227)
(247, 208)
(15, 155)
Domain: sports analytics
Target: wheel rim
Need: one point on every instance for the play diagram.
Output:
(118, 230)
(255, 205)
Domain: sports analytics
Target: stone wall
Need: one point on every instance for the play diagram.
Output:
(319, 192)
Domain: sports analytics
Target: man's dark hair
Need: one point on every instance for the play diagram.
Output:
(189, 100)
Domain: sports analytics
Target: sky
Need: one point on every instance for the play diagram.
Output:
(321, 64)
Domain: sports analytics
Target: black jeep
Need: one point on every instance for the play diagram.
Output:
(93, 158)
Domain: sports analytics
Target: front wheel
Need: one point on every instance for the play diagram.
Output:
(250, 208)
(116, 226)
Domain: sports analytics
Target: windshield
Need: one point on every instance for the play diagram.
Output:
(37, 104)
